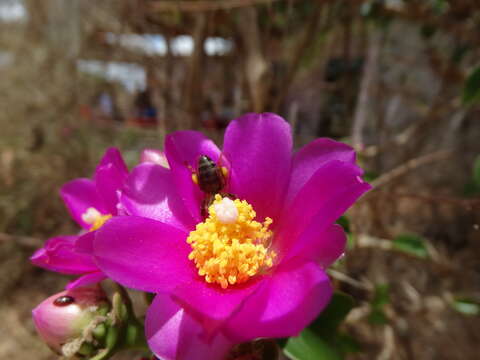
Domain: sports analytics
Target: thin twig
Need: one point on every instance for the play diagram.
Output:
(408, 166)
(297, 55)
(467, 203)
(364, 98)
(349, 280)
(193, 6)
(255, 64)
(26, 241)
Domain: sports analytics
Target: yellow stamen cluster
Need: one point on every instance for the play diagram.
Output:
(230, 253)
(94, 218)
(99, 221)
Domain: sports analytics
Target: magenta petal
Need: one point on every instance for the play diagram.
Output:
(112, 156)
(259, 147)
(87, 279)
(143, 254)
(322, 200)
(311, 157)
(109, 181)
(79, 195)
(59, 255)
(322, 247)
(211, 301)
(174, 335)
(182, 150)
(84, 243)
(284, 305)
(110, 175)
(150, 192)
(154, 156)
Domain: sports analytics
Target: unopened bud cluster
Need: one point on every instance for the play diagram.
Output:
(72, 322)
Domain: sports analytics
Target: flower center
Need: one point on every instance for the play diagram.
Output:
(230, 247)
(94, 218)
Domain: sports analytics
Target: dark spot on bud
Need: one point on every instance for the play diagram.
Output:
(64, 300)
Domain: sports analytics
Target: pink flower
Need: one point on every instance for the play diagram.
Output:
(91, 202)
(255, 266)
(62, 318)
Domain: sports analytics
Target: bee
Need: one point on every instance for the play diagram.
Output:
(211, 179)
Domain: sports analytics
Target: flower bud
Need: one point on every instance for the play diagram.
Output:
(67, 319)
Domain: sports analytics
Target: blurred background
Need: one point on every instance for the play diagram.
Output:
(397, 79)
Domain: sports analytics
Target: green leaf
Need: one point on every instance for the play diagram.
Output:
(466, 306)
(377, 317)
(427, 31)
(440, 6)
(369, 176)
(381, 296)
(327, 323)
(411, 244)
(471, 90)
(471, 189)
(309, 346)
(348, 344)
(350, 241)
(476, 170)
(460, 51)
(326, 326)
(344, 223)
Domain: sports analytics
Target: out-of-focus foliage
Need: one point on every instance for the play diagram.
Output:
(308, 346)
(397, 79)
(381, 297)
(472, 187)
(466, 306)
(476, 170)
(323, 339)
(411, 244)
(471, 91)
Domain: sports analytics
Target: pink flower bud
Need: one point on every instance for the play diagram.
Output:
(154, 156)
(64, 317)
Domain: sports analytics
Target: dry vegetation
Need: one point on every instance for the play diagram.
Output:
(386, 76)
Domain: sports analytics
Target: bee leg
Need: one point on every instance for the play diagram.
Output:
(206, 202)
(204, 209)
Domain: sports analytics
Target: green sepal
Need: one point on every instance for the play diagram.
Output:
(100, 332)
(122, 330)
(87, 349)
(134, 337)
(111, 341)
(120, 311)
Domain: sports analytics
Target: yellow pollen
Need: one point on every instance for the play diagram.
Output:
(224, 171)
(102, 219)
(228, 253)
(93, 217)
(195, 179)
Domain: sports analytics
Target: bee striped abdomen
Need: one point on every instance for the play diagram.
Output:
(210, 177)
